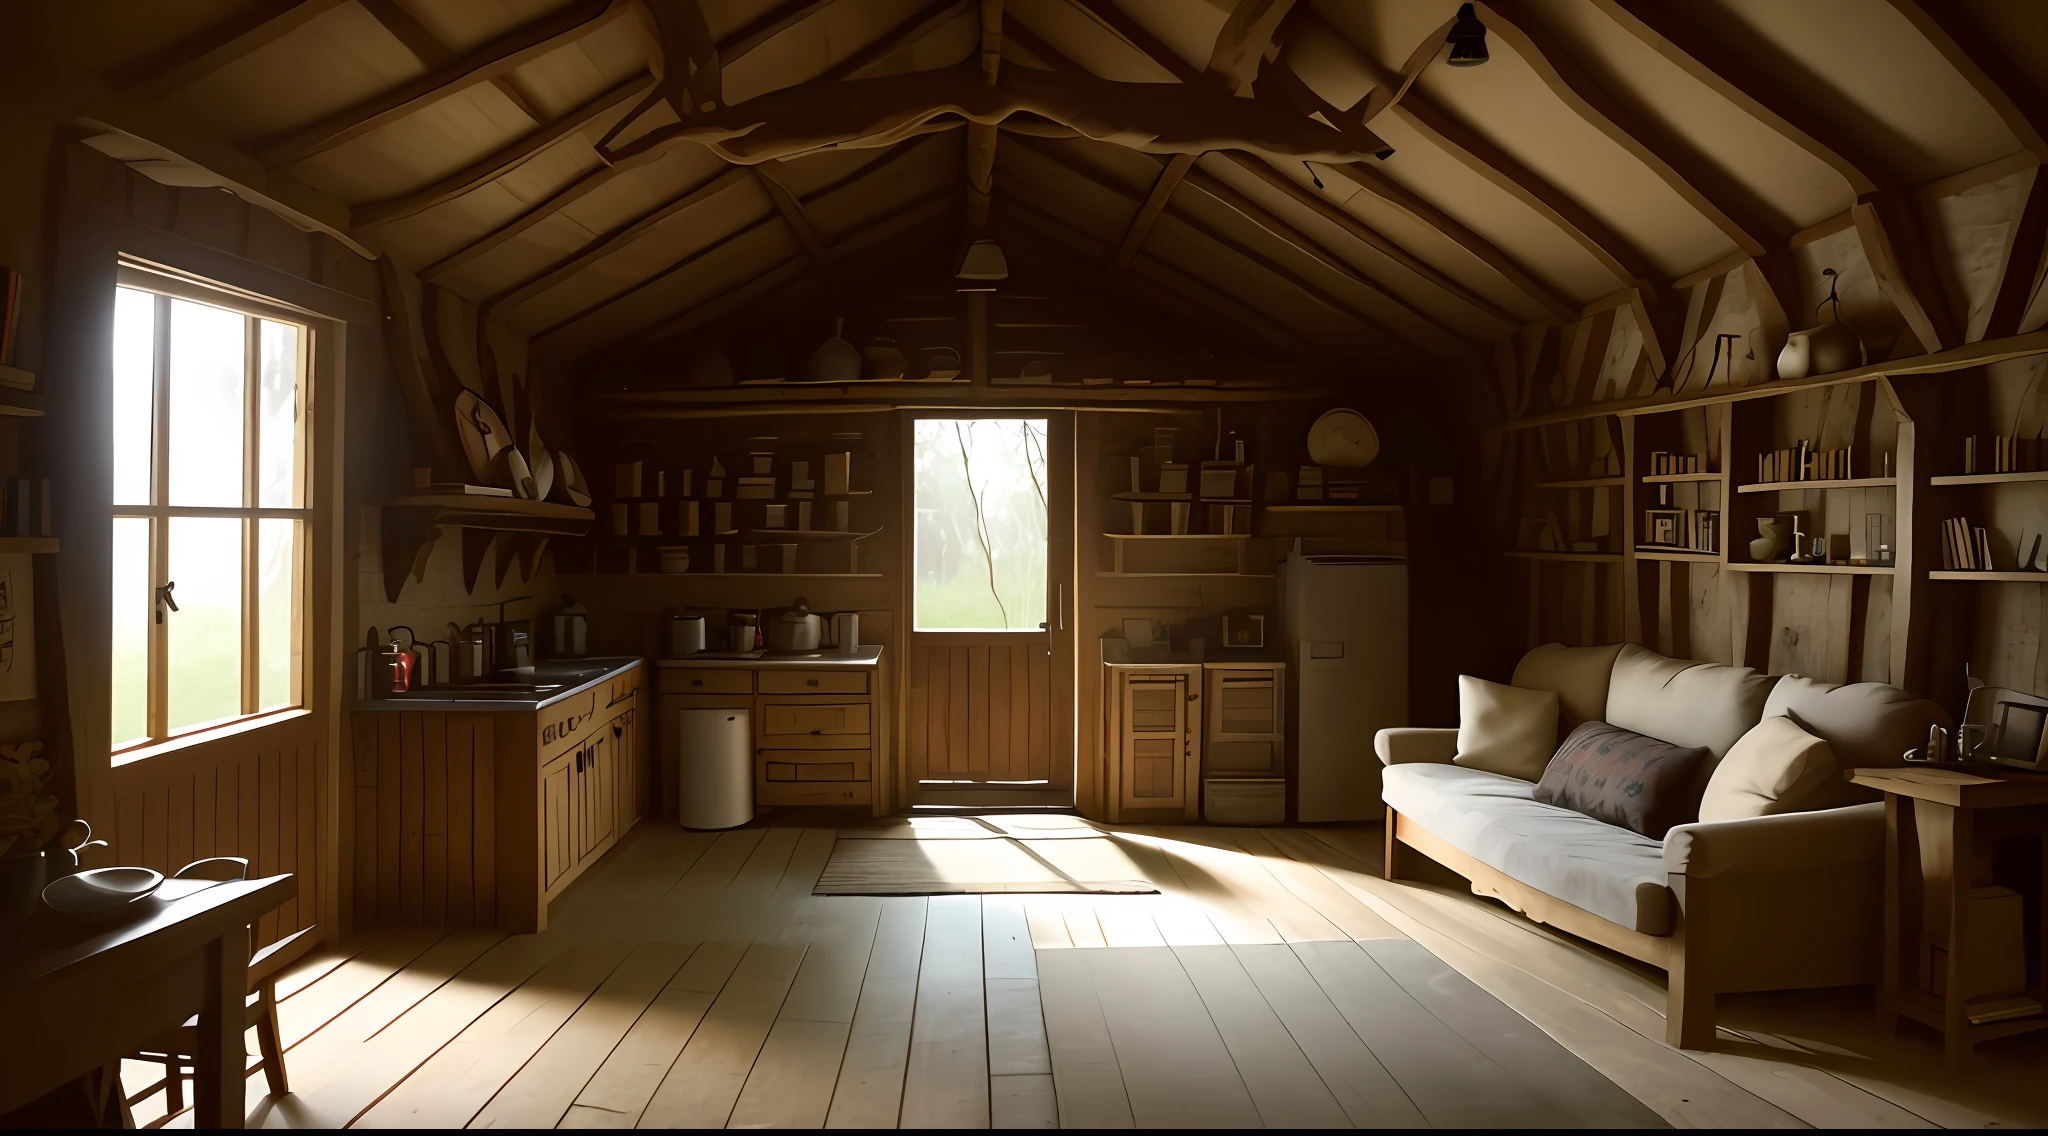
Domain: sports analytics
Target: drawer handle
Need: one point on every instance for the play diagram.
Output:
(814, 733)
(812, 682)
(696, 682)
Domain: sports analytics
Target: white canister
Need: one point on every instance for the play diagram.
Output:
(685, 635)
(846, 631)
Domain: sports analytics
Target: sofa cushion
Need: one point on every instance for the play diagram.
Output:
(1641, 783)
(1504, 729)
(1614, 873)
(1688, 704)
(1579, 677)
(1776, 768)
(1864, 723)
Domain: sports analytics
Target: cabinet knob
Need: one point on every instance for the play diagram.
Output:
(812, 682)
(696, 682)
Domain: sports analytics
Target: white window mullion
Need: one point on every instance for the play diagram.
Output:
(252, 402)
(159, 526)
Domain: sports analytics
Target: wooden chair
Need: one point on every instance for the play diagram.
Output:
(173, 1049)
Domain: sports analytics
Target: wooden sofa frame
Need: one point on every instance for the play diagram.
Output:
(1689, 1008)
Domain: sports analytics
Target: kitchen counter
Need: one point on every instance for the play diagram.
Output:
(554, 681)
(862, 657)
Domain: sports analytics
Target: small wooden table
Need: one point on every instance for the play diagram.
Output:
(1954, 814)
(78, 996)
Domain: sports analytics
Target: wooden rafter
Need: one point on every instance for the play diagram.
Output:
(1137, 35)
(1699, 182)
(500, 162)
(2020, 264)
(1891, 230)
(1372, 237)
(1246, 43)
(495, 58)
(982, 137)
(770, 25)
(1986, 67)
(1148, 213)
(611, 242)
(792, 210)
(1254, 256)
(208, 50)
(918, 25)
(428, 49)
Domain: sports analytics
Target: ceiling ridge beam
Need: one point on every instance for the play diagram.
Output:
(497, 164)
(429, 50)
(193, 57)
(748, 39)
(499, 56)
(1675, 162)
(1169, 179)
(918, 25)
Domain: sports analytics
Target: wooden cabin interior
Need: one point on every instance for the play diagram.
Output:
(1023, 563)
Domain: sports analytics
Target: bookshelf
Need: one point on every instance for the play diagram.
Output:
(1831, 483)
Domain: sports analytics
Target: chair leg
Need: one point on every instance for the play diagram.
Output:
(1689, 998)
(266, 1042)
(174, 1082)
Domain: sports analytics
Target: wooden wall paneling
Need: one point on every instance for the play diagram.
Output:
(434, 825)
(411, 833)
(457, 742)
(390, 785)
(976, 697)
(1037, 736)
(179, 816)
(916, 714)
(363, 736)
(999, 713)
(1914, 405)
(959, 693)
(156, 827)
(484, 849)
(269, 812)
(1633, 465)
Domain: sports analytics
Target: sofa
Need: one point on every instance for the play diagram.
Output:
(1774, 902)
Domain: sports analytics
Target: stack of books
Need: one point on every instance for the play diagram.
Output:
(1663, 463)
(2000, 453)
(1308, 483)
(25, 507)
(1965, 548)
(1802, 462)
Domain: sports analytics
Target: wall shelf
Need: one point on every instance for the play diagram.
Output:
(750, 575)
(1333, 508)
(1988, 478)
(1990, 577)
(816, 534)
(1833, 483)
(1813, 569)
(1565, 557)
(411, 526)
(1686, 555)
(1583, 483)
(1185, 575)
(1675, 478)
(20, 403)
(1178, 536)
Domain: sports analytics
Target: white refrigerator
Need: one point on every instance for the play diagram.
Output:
(1345, 621)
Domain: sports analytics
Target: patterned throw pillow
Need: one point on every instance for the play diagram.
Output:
(1623, 778)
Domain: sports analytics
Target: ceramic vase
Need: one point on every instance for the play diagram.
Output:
(1770, 542)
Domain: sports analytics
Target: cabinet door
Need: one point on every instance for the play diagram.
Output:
(625, 731)
(1156, 745)
(558, 806)
(1245, 727)
(597, 793)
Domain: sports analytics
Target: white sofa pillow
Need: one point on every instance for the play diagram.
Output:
(1579, 675)
(1685, 703)
(1774, 768)
(1505, 729)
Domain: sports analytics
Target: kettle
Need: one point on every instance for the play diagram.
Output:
(795, 630)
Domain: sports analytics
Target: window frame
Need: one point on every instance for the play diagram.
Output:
(165, 286)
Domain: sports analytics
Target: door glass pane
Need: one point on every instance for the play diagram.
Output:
(277, 646)
(205, 644)
(207, 410)
(131, 630)
(981, 524)
(134, 392)
(277, 427)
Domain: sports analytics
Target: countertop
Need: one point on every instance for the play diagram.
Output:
(862, 657)
(568, 677)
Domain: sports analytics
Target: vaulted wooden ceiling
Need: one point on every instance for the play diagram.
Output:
(528, 155)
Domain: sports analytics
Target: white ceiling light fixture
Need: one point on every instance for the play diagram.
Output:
(983, 260)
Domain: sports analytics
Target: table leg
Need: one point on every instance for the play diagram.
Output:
(219, 1073)
(1898, 839)
(1962, 843)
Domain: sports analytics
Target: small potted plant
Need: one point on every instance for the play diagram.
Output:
(29, 822)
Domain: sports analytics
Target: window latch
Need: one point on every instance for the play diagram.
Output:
(163, 599)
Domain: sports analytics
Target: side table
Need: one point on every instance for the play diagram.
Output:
(1940, 822)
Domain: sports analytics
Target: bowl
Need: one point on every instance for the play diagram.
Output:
(101, 890)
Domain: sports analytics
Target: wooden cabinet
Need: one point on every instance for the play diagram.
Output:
(1245, 734)
(1153, 729)
(558, 781)
(817, 728)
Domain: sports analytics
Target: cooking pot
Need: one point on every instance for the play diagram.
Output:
(795, 630)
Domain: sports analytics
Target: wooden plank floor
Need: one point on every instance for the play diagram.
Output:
(692, 980)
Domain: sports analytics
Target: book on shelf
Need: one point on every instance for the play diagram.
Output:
(1802, 462)
(1664, 463)
(1693, 530)
(686, 518)
(1965, 547)
(1178, 516)
(2000, 453)
(25, 507)
(650, 518)
(626, 479)
(838, 479)
(721, 518)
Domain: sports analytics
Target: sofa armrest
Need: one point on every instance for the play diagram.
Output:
(1404, 744)
(1785, 841)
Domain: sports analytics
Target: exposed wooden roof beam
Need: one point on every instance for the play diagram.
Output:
(1891, 230)
(920, 24)
(2025, 241)
(793, 214)
(1703, 185)
(770, 25)
(1148, 213)
(495, 58)
(200, 54)
(613, 241)
(1134, 33)
(428, 49)
(982, 137)
(1366, 233)
(497, 164)
(1285, 274)
(1986, 67)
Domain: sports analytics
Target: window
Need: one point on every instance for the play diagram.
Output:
(210, 516)
(981, 524)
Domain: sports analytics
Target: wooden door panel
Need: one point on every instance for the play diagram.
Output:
(558, 823)
(980, 712)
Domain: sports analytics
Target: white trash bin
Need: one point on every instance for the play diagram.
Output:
(717, 775)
